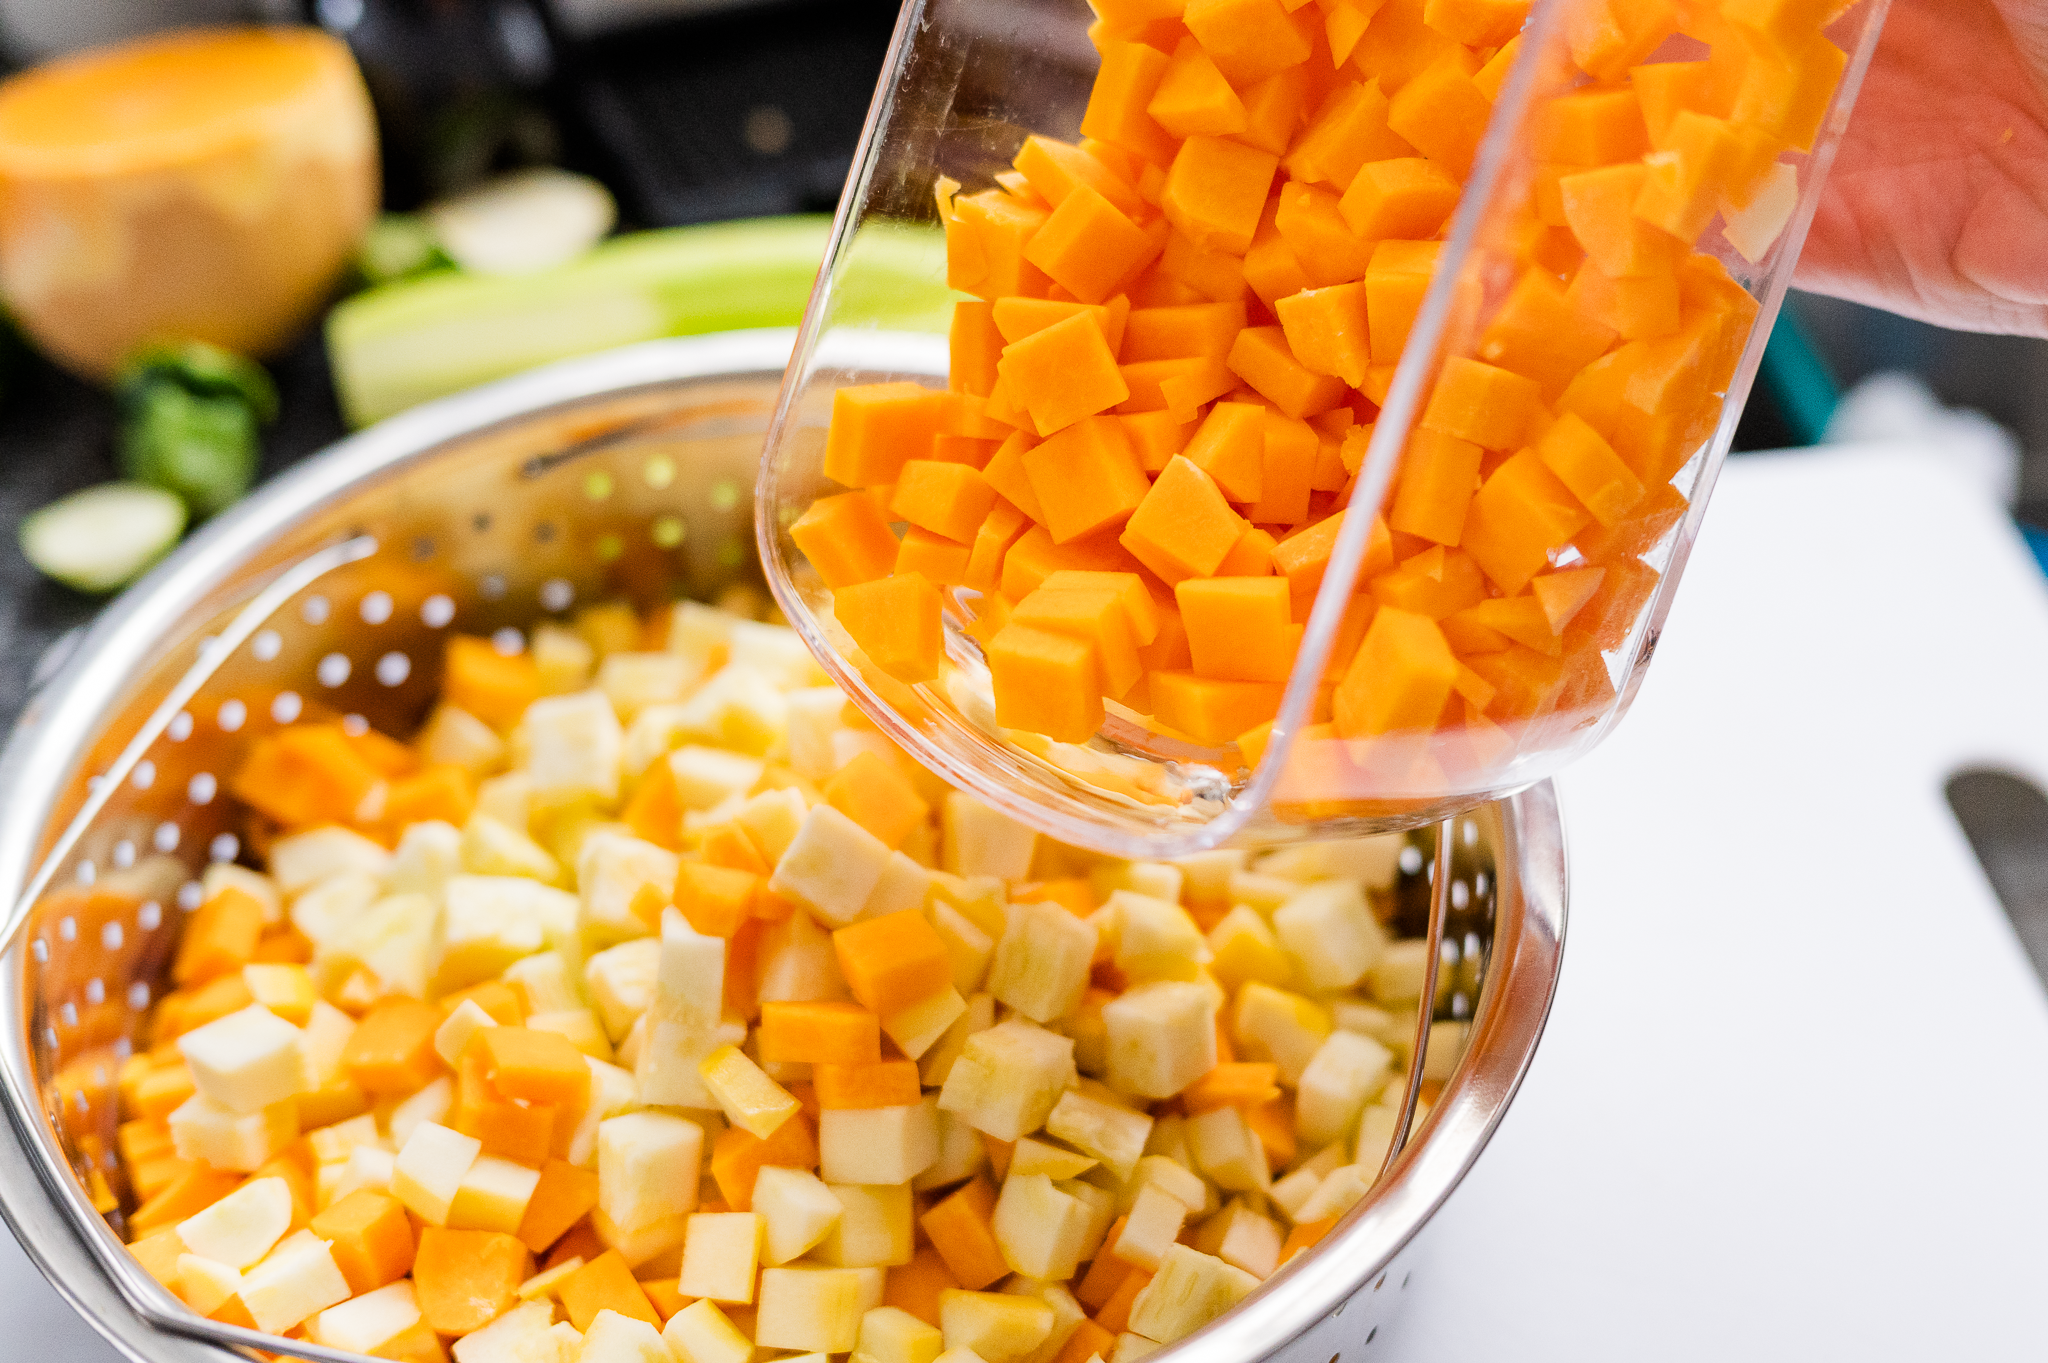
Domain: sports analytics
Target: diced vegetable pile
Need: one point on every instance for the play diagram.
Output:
(647, 1006)
(1182, 328)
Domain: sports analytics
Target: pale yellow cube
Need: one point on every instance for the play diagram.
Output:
(622, 981)
(492, 848)
(1227, 1151)
(1243, 1239)
(241, 1227)
(772, 819)
(962, 1153)
(797, 1209)
(1340, 1192)
(1041, 964)
(493, 1195)
(831, 866)
(918, 1027)
(877, 1144)
(203, 1130)
(968, 948)
(1042, 1230)
(1347, 1072)
(705, 777)
(1329, 930)
(795, 962)
(873, 1229)
(1033, 1156)
(634, 681)
(1155, 938)
(327, 913)
(301, 860)
(488, 922)
(1009, 1078)
(1242, 947)
(1162, 1037)
(978, 841)
(1110, 1132)
(462, 1024)
(1158, 879)
(297, 1279)
(737, 708)
(889, 1334)
(701, 1333)
(366, 1323)
(647, 1168)
(204, 1284)
(612, 870)
(721, 1250)
(1150, 1227)
(613, 1338)
(750, 1099)
(805, 1308)
(572, 746)
(454, 737)
(937, 1062)
(245, 1061)
(998, 1326)
(429, 1104)
(1273, 1024)
(430, 1169)
(1189, 1290)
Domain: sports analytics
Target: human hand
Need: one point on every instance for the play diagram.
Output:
(1937, 206)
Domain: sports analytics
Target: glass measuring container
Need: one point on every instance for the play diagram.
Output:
(1519, 417)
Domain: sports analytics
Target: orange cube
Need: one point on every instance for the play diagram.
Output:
(959, 1229)
(1249, 40)
(1090, 249)
(370, 1237)
(1124, 86)
(1096, 615)
(1156, 437)
(1142, 612)
(311, 773)
(916, 1286)
(1286, 471)
(1239, 628)
(846, 538)
(1324, 245)
(1394, 289)
(1181, 333)
(882, 1083)
(1489, 406)
(1046, 683)
(1439, 474)
(1435, 583)
(1055, 169)
(875, 794)
(1261, 358)
(819, 1034)
(1600, 206)
(1399, 679)
(715, 899)
(1004, 526)
(534, 1066)
(1635, 309)
(1518, 516)
(1062, 374)
(1477, 23)
(974, 345)
(896, 622)
(220, 936)
(1588, 465)
(1405, 198)
(1184, 527)
(1607, 37)
(465, 1279)
(1194, 98)
(564, 1196)
(985, 240)
(738, 1155)
(605, 1284)
(1216, 190)
(876, 427)
(1230, 447)
(946, 499)
(1086, 478)
(1210, 710)
(391, 1051)
(1592, 127)
(893, 961)
(1347, 133)
(1329, 331)
(1443, 113)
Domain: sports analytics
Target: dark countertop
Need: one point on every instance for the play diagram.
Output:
(57, 436)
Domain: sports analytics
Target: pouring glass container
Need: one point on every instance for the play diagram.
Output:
(1573, 578)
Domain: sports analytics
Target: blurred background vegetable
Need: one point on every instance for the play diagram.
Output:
(190, 414)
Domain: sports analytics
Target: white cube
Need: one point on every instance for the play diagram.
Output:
(1110, 1132)
(1000, 1327)
(493, 1195)
(1346, 1073)
(241, 1227)
(297, 1279)
(877, 1144)
(572, 747)
(368, 1322)
(300, 860)
(1189, 1290)
(796, 1209)
(831, 867)
(1329, 930)
(203, 1130)
(613, 1338)
(245, 1061)
(978, 841)
(430, 1168)
(647, 1167)
(873, 1229)
(1042, 1230)
(1162, 1037)
(1008, 1079)
(1228, 1150)
(701, 1333)
(488, 922)
(611, 871)
(810, 1309)
(721, 1250)
(622, 981)
(1041, 964)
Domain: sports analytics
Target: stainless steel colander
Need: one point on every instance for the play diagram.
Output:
(626, 475)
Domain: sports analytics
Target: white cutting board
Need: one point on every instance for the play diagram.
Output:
(1793, 1098)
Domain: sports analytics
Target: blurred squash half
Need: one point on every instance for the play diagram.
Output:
(208, 184)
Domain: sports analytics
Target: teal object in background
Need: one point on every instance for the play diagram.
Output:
(2037, 540)
(1799, 380)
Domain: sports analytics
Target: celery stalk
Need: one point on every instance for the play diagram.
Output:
(415, 339)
